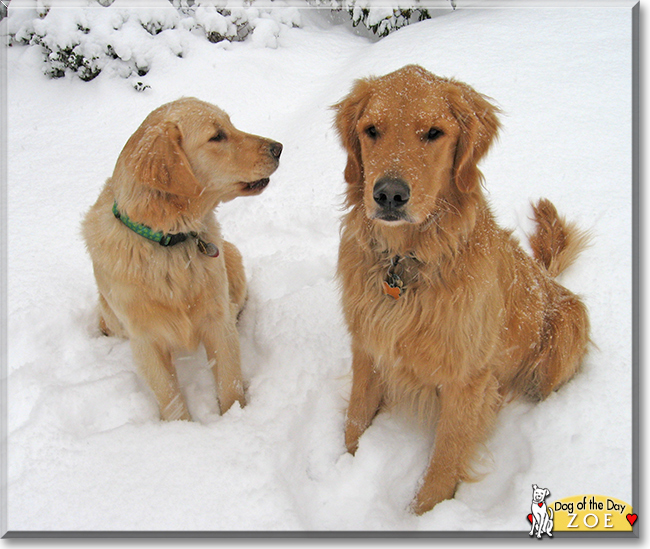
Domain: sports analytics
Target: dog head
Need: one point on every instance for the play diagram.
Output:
(189, 148)
(412, 139)
(540, 494)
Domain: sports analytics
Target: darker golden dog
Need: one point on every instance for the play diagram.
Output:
(446, 312)
(166, 278)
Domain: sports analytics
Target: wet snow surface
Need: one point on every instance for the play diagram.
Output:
(86, 448)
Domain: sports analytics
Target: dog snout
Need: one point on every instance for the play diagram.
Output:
(275, 150)
(391, 193)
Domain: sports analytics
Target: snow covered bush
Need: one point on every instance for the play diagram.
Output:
(383, 21)
(116, 35)
(86, 37)
(384, 17)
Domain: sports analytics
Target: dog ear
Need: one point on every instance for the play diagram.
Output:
(348, 112)
(479, 127)
(158, 160)
(534, 486)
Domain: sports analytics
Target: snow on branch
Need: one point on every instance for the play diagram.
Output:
(119, 36)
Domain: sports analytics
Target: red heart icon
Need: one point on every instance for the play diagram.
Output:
(530, 518)
(631, 518)
(540, 504)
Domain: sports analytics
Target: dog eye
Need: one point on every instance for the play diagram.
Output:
(433, 134)
(372, 132)
(220, 136)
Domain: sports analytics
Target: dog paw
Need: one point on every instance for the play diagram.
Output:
(351, 443)
(419, 505)
(175, 410)
(226, 404)
(430, 496)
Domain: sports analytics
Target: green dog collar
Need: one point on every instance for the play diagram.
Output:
(166, 240)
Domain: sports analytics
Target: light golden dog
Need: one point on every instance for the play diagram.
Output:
(166, 278)
(445, 310)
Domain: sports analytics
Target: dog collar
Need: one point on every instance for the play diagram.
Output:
(165, 239)
(394, 284)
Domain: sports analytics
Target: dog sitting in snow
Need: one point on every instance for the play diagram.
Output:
(166, 278)
(540, 512)
(446, 312)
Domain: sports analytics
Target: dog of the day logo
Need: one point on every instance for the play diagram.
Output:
(584, 513)
(541, 516)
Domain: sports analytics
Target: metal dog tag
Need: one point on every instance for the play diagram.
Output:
(207, 248)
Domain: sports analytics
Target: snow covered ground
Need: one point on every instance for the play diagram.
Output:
(86, 449)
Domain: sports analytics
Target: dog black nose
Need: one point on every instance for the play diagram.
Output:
(391, 193)
(275, 149)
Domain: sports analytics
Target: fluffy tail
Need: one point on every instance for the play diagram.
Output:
(555, 243)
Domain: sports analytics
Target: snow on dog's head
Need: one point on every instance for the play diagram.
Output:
(414, 141)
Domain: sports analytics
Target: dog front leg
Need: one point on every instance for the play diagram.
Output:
(534, 521)
(236, 277)
(365, 398)
(222, 348)
(543, 523)
(156, 367)
(466, 414)
(109, 324)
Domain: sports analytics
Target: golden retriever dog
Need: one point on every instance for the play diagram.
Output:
(167, 280)
(446, 312)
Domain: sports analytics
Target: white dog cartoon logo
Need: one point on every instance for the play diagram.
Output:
(539, 515)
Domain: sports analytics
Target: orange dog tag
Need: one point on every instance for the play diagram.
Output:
(392, 291)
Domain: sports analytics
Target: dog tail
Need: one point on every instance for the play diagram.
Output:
(555, 242)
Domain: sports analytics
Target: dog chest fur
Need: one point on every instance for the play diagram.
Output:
(443, 327)
(175, 279)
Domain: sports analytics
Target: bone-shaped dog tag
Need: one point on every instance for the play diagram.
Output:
(393, 286)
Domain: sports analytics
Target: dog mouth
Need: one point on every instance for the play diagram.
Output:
(392, 217)
(256, 186)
